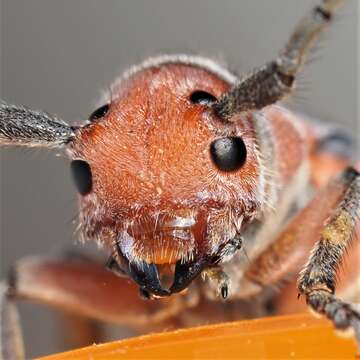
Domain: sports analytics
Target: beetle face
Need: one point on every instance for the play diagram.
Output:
(171, 184)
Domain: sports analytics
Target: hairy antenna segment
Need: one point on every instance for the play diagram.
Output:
(276, 79)
(22, 126)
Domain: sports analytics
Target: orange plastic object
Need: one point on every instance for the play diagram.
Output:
(289, 337)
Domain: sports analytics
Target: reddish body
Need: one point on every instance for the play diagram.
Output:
(188, 172)
(157, 197)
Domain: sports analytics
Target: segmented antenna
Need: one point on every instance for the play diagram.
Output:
(22, 126)
(275, 80)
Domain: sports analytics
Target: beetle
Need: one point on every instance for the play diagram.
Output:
(181, 172)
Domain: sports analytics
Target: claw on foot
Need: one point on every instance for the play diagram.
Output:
(344, 316)
(221, 280)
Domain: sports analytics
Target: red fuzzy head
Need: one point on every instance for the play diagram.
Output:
(157, 194)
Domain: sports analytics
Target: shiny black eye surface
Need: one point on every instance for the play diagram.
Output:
(228, 153)
(81, 174)
(99, 113)
(202, 97)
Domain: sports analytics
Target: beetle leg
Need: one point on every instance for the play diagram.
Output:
(285, 256)
(87, 288)
(82, 287)
(318, 278)
(348, 284)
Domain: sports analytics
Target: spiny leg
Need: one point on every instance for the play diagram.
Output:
(318, 279)
(276, 79)
(286, 255)
(347, 286)
(288, 252)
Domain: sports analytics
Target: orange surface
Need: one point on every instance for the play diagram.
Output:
(290, 337)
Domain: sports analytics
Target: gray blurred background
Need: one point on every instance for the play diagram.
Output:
(58, 55)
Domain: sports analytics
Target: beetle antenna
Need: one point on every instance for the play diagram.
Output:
(276, 80)
(22, 126)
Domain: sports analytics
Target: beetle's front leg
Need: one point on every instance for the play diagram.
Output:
(318, 279)
(85, 288)
(336, 205)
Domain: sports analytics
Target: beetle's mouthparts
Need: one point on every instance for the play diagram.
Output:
(147, 276)
(151, 283)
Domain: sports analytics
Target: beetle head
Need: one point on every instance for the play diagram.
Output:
(164, 182)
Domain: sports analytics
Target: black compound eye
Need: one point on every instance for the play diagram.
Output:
(228, 153)
(81, 173)
(202, 97)
(99, 113)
